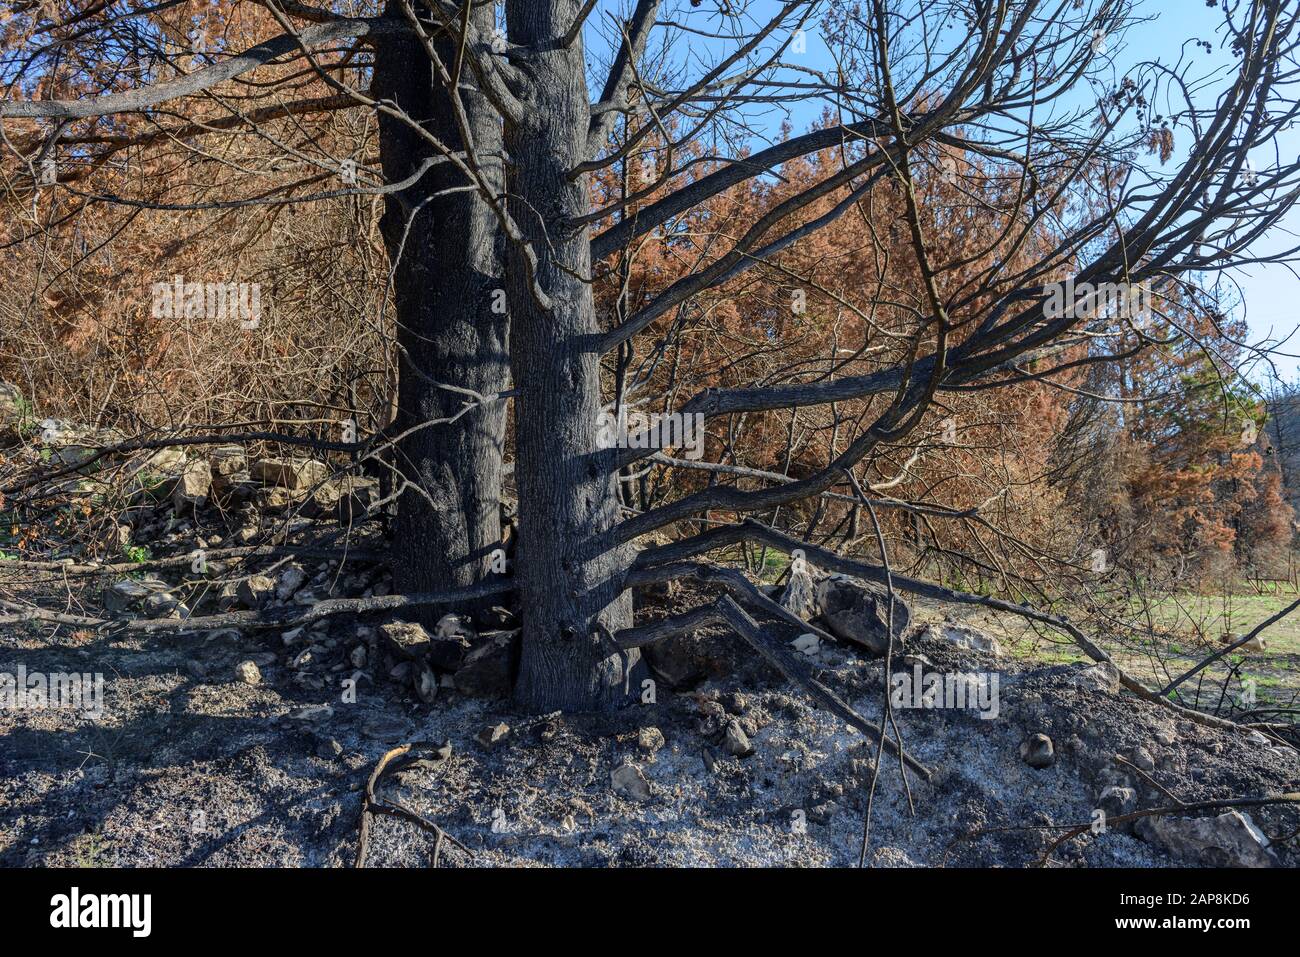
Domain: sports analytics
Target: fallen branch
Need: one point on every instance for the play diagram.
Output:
(263, 618)
(371, 803)
(211, 554)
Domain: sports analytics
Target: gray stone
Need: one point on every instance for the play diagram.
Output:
(161, 604)
(630, 782)
(857, 612)
(227, 461)
(255, 590)
(1116, 801)
(426, 683)
(248, 673)
(127, 595)
(291, 579)
(963, 636)
(736, 741)
(192, 486)
(293, 474)
(405, 639)
(650, 739)
(385, 728)
(800, 594)
(1102, 677)
(493, 735)
(1037, 751)
(1229, 840)
(356, 495)
(1144, 759)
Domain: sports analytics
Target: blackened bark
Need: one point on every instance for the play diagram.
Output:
(446, 279)
(571, 598)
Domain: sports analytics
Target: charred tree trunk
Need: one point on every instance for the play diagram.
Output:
(571, 595)
(447, 277)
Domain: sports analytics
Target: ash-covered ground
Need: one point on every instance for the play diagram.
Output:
(242, 748)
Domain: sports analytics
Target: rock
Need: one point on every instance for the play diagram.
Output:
(226, 462)
(302, 659)
(1037, 751)
(255, 590)
(495, 618)
(453, 626)
(1143, 759)
(800, 594)
(806, 644)
(161, 604)
(291, 579)
(426, 683)
(856, 612)
(736, 741)
(963, 636)
(684, 660)
(128, 595)
(493, 735)
(1229, 840)
(355, 496)
(248, 673)
(323, 500)
(328, 748)
(358, 656)
(861, 771)
(274, 498)
(1102, 677)
(292, 474)
(711, 720)
(630, 782)
(660, 592)
(192, 486)
(488, 668)
(170, 461)
(452, 639)
(1116, 801)
(405, 639)
(650, 739)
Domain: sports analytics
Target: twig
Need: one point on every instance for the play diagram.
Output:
(370, 803)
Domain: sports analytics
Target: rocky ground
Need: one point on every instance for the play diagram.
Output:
(245, 746)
